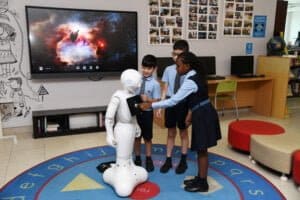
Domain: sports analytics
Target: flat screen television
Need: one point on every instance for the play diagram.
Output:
(66, 42)
(162, 63)
(241, 65)
(209, 63)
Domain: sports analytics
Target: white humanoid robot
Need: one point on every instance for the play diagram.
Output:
(122, 128)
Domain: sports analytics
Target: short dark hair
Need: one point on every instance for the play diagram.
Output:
(149, 61)
(181, 45)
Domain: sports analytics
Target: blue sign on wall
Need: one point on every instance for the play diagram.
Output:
(259, 26)
(249, 48)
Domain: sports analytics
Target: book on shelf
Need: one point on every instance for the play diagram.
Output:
(39, 125)
(42, 120)
(101, 119)
(45, 123)
(52, 127)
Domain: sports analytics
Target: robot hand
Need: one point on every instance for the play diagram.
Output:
(111, 140)
(138, 131)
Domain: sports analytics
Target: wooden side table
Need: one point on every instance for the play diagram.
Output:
(1, 130)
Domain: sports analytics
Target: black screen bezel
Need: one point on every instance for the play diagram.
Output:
(38, 75)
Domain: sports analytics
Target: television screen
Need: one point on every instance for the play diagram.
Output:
(241, 65)
(162, 63)
(209, 63)
(77, 41)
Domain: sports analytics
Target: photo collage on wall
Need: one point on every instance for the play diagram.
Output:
(238, 17)
(165, 20)
(202, 19)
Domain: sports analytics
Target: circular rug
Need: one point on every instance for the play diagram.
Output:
(74, 176)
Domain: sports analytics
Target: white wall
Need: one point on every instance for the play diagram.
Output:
(82, 93)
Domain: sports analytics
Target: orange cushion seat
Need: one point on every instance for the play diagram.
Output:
(239, 132)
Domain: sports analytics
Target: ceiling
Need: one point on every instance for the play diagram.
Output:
(294, 1)
(293, 5)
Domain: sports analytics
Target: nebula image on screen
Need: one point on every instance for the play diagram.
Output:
(73, 40)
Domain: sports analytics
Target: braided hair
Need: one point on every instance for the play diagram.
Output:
(194, 63)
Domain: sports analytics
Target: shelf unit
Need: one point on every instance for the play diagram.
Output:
(59, 122)
(279, 69)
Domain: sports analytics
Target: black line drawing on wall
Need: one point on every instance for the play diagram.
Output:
(42, 92)
(6, 111)
(3, 89)
(7, 58)
(18, 97)
(12, 77)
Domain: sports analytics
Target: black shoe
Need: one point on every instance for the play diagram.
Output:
(149, 165)
(190, 181)
(104, 166)
(182, 166)
(197, 186)
(166, 167)
(138, 162)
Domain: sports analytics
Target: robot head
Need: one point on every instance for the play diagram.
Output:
(131, 80)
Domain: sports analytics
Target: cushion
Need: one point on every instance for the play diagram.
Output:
(239, 132)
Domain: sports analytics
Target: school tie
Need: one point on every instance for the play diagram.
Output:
(176, 83)
(142, 91)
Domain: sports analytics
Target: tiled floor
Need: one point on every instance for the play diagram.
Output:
(28, 152)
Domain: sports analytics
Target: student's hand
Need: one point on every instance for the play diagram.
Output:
(145, 106)
(158, 113)
(188, 122)
(144, 97)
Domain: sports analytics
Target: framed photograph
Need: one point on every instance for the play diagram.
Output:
(176, 3)
(165, 3)
(154, 32)
(153, 2)
(192, 35)
(153, 21)
(202, 10)
(153, 10)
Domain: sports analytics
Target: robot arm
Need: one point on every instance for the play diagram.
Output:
(110, 120)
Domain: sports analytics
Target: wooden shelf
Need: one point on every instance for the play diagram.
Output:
(278, 68)
(49, 123)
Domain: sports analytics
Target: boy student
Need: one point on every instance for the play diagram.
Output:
(175, 116)
(150, 92)
(202, 115)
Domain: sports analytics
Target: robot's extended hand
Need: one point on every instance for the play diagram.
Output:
(111, 141)
(137, 131)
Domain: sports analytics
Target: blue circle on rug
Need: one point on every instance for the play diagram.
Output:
(74, 176)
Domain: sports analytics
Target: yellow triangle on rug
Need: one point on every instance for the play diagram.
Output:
(82, 182)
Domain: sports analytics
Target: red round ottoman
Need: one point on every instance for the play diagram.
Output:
(296, 167)
(239, 132)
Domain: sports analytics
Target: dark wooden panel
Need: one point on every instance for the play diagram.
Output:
(280, 18)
